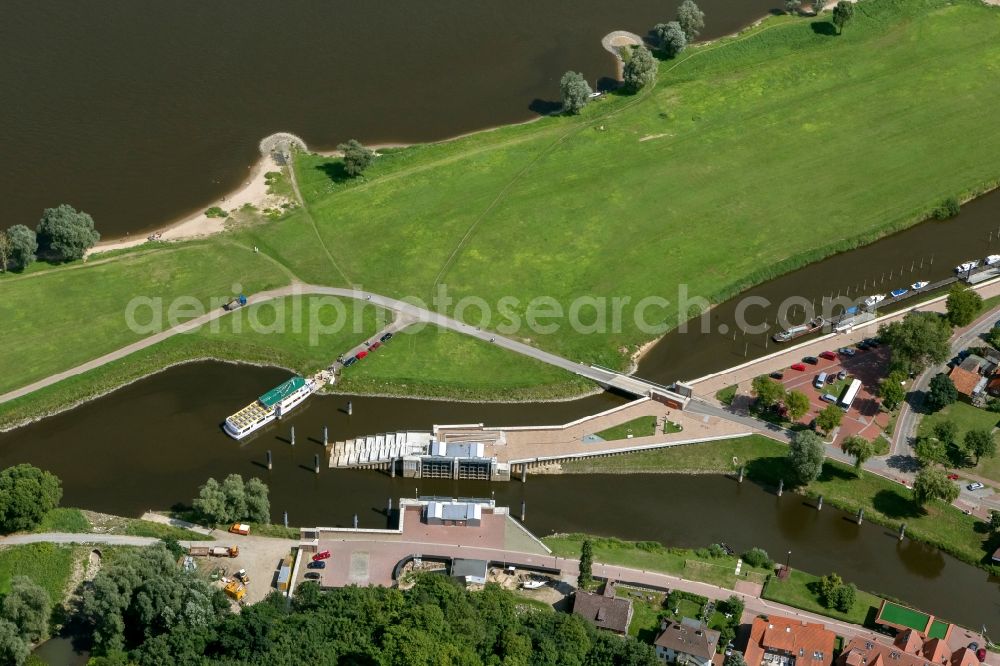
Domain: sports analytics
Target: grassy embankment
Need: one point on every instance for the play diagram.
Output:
(47, 564)
(671, 183)
(967, 418)
(885, 502)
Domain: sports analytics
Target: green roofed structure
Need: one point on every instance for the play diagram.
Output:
(279, 393)
(901, 618)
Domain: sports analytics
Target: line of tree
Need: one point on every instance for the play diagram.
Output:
(144, 610)
(233, 500)
(63, 234)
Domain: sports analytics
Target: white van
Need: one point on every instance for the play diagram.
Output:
(820, 380)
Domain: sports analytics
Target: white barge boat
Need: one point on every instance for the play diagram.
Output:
(800, 330)
(272, 405)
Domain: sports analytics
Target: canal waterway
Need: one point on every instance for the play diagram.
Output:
(153, 443)
(141, 113)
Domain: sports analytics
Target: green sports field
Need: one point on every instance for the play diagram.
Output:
(903, 616)
(751, 156)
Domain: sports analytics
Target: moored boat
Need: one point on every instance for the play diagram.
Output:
(896, 293)
(875, 299)
(920, 284)
(993, 259)
(966, 266)
(272, 405)
(798, 331)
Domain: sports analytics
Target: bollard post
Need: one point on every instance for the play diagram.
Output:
(742, 472)
(902, 531)
(524, 473)
(325, 436)
(293, 435)
(269, 459)
(350, 407)
(523, 506)
(355, 521)
(316, 462)
(286, 520)
(388, 507)
(861, 515)
(781, 487)
(819, 505)
(392, 469)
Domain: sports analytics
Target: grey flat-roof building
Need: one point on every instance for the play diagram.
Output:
(453, 513)
(472, 572)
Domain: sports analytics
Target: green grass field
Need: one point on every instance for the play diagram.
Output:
(643, 426)
(709, 457)
(752, 155)
(47, 564)
(907, 617)
(800, 590)
(967, 418)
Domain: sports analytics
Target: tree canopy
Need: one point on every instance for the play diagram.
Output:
(671, 38)
(27, 606)
(980, 443)
(357, 158)
(585, 578)
(65, 234)
(797, 403)
(26, 495)
(767, 391)
(918, 339)
(932, 483)
(891, 390)
(830, 418)
(234, 500)
(859, 447)
(941, 392)
(640, 69)
(843, 12)
(691, 19)
(575, 92)
(23, 246)
(963, 305)
(806, 454)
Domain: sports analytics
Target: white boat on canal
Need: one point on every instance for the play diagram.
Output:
(272, 405)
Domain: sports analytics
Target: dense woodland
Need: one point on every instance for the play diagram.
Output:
(145, 610)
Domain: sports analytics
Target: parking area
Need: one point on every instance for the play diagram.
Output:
(868, 366)
(261, 557)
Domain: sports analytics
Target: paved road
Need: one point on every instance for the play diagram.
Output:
(61, 537)
(407, 310)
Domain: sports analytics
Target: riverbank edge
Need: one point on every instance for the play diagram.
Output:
(912, 533)
(763, 595)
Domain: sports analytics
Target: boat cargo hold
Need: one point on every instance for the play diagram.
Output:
(798, 331)
(272, 405)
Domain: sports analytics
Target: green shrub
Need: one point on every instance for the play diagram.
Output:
(215, 211)
(758, 557)
(947, 209)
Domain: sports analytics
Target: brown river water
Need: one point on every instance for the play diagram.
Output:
(141, 113)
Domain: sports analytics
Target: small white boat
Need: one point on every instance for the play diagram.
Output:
(533, 584)
(916, 286)
(874, 300)
(993, 259)
(966, 266)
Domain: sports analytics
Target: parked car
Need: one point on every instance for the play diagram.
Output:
(846, 351)
(828, 355)
(373, 346)
(321, 555)
(361, 354)
(981, 655)
(350, 361)
(975, 485)
(863, 346)
(798, 366)
(871, 342)
(820, 380)
(316, 565)
(842, 374)
(831, 378)
(954, 477)
(312, 575)
(811, 360)
(386, 337)
(777, 375)
(828, 397)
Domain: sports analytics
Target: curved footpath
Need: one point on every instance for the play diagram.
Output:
(400, 308)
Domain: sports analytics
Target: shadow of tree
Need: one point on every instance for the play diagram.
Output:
(894, 505)
(335, 171)
(544, 107)
(824, 28)
(903, 463)
(831, 473)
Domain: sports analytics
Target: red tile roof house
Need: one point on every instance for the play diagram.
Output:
(604, 611)
(909, 649)
(686, 642)
(782, 641)
(968, 378)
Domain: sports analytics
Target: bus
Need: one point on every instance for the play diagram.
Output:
(849, 394)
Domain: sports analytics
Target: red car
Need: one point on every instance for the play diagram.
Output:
(321, 555)
(360, 355)
(801, 367)
(374, 346)
(954, 477)
(828, 355)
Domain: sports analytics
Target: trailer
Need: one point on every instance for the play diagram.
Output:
(240, 528)
(214, 551)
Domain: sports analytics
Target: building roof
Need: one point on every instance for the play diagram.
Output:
(698, 641)
(457, 449)
(454, 510)
(909, 641)
(973, 363)
(461, 568)
(964, 657)
(865, 652)
(809, 643)
(603, 612)
(936, 650)
(965, 381)
(279, 393)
